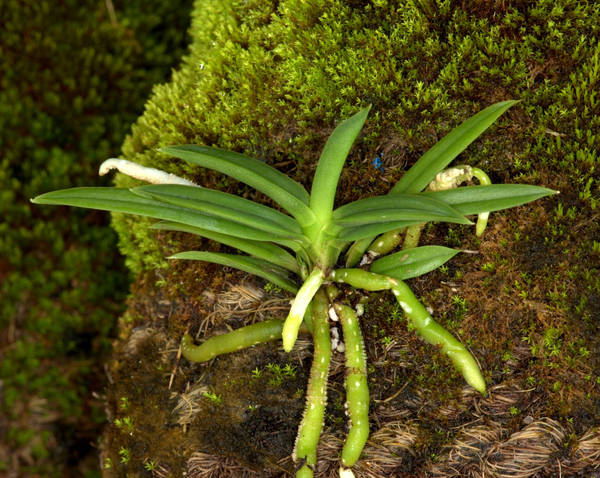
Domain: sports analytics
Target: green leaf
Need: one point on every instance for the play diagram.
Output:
(261, 250)
(371, 216)
(414, 208)
(123, 200)
(448, 148)
(494, 197)
(330, 165)
(413, 262)
(228, 206)
(252, 265)
(409, 216)
(283, 190)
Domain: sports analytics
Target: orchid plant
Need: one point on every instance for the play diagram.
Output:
(300, 249)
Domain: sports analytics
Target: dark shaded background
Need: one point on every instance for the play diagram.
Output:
(74, 75)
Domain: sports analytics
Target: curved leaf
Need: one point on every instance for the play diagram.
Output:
(444, 151)
(224, 205)
(261, 250)
(413, 208)
(494, 197)
(330, 165)
(398, 214)
(123, 200)
(283, 190)
(252, 265)
(413, 262)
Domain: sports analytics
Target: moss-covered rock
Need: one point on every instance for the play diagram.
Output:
(74, 75)
(271, 79)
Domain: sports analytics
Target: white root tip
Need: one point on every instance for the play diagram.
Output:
(143, 173)
(346, 473)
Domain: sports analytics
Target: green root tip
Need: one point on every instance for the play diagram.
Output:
(481, 224)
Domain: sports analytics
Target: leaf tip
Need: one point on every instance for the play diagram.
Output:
(168, 150)
(41, 199)
(508, 103)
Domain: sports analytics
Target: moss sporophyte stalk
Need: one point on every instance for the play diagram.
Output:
(300, 251)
